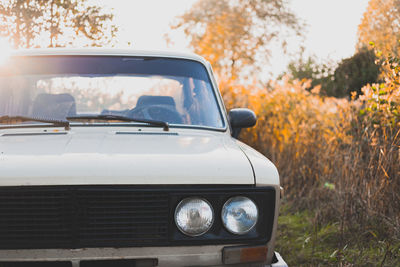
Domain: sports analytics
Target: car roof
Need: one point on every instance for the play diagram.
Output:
(107, 52)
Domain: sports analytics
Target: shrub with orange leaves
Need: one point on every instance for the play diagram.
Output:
(336, 156)
(295, 128)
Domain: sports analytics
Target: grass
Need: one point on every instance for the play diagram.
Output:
(302, 241)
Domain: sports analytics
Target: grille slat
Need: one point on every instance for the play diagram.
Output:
(97, 222)
(119, 211)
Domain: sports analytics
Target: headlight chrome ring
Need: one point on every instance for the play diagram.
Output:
(194, 216)
(239, 215)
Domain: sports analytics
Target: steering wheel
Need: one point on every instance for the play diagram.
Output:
(165, 113)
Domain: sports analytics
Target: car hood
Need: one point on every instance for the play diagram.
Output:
(109, 156)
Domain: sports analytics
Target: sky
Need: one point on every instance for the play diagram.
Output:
(331, 33)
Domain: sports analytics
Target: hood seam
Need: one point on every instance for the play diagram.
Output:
(251, 165)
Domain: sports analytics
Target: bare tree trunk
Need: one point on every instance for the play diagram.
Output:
(27, 33)
(52, 23)
(18, 22)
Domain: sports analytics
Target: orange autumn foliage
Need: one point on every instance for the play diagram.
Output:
(317, 141)
(380, 25)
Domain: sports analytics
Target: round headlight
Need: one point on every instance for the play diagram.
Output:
(239, 215)
(194, 216)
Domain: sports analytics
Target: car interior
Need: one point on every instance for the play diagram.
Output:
(60, 106)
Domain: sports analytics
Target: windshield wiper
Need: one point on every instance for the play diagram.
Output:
(17, 119)
(109, 117)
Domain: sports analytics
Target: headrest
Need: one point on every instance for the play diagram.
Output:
(147, 100)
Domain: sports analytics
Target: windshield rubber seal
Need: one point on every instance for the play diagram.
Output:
(171, 126)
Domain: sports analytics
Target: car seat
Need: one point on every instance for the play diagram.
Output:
(54, 106)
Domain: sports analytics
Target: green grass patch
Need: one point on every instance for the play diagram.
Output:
(302, 241)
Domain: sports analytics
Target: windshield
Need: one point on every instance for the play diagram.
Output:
(176, 91)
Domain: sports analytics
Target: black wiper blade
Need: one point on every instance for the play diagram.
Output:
(108, 117)
(16, 119)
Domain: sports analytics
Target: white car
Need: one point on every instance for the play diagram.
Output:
(128, 158)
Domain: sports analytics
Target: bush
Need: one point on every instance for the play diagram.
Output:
(338, 158)
(353, 73)
(349, 76)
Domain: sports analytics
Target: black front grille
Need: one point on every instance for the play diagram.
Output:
(75, 217)
(39, 217)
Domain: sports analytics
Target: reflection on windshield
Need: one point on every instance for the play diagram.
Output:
(174, 99)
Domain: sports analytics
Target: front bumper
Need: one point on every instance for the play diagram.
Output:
(163, 256)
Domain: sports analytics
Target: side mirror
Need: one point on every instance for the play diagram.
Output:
(241, 118)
